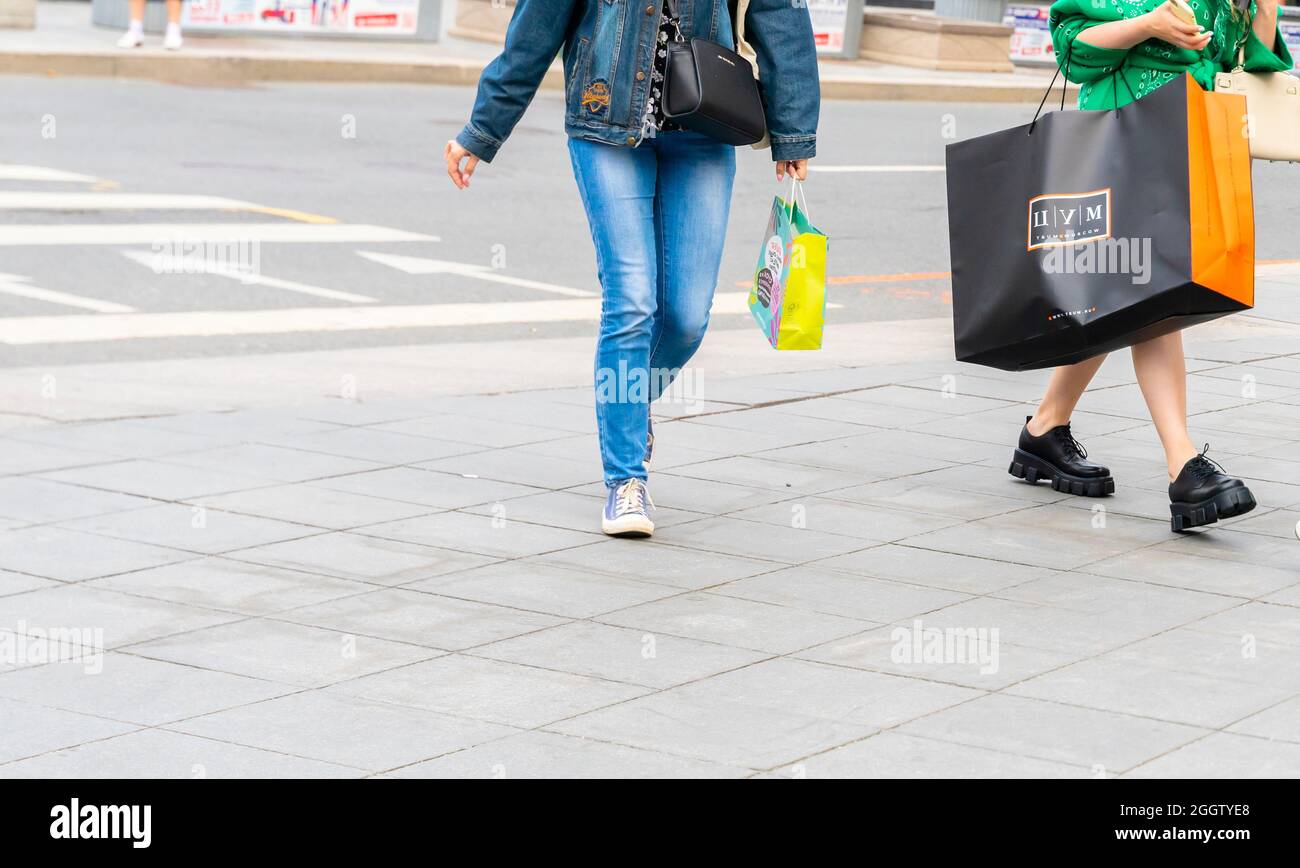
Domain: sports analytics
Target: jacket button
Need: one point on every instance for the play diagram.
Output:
(649, 10)
(640, 76)
(631, 140)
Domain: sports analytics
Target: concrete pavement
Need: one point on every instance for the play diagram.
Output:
(845, 581)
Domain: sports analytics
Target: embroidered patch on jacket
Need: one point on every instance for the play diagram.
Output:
(595, 98)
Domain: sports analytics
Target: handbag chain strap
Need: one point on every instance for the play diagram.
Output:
(671, 6)
(1241, 41)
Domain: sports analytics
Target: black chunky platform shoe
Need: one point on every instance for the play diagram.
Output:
(1203, 493)
(1059, 458)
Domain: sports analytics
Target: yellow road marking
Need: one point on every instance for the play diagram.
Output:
(291, 214)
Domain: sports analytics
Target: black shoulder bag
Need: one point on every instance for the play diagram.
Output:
(711, 89)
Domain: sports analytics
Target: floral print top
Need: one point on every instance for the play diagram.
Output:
(654, 121)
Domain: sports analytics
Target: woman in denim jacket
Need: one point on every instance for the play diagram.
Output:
(657, 196)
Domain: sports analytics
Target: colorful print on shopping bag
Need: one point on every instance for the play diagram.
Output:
(788, 294)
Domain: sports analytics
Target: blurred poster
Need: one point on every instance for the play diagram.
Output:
(1289, 23)
(829, 19)
(1032, 40)
(302, 16)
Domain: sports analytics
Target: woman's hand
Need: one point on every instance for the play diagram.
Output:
(454, 154)
(1164, 24)
(798, 168)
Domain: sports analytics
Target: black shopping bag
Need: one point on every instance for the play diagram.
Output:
(1088, 231)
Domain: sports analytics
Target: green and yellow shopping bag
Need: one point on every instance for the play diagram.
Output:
(788, 295)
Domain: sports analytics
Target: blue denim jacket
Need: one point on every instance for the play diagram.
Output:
(608, 46)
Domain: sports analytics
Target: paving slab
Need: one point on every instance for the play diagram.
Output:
(440, 622)
(362, 558)
(894, 755)
(31, 730)
(157, 753)
(1100, 740)
(135, 689)
(231, 586)
(537, 587)
(338, 728)
(287, 653)
(543, 755)
(491, 690)
(620, 654)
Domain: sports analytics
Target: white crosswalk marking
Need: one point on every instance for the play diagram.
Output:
(420, 265)
(82, 329)
(14, 284)
(13, 172)
(15, 235)
(182, 265)
(47, 201)
(1277, 269)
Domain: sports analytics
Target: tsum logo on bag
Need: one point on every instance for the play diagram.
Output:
(1056, 219)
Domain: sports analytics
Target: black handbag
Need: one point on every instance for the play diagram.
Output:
(711, 89)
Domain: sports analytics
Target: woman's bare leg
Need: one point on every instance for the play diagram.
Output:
(1162, 375)
(1063, 393)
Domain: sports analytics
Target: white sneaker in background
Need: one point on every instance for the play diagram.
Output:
(133, 37)
(172, 41)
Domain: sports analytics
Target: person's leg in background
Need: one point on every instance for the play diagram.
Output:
(692, 205)
(617, 186)
(134, 36)
(1047, 448)
(1199, 491)
(172, 39)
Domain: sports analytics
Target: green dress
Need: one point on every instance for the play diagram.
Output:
(1149, 64)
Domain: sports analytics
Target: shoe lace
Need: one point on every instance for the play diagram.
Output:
(632, 496)
(1203, 466)
(1066, 438)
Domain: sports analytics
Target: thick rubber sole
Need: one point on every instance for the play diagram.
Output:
(1031, 468)
(631, 527)
(1234, 501)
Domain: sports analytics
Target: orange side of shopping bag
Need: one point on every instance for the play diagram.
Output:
(1222, 201)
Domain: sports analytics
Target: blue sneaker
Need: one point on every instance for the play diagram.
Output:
(626, 510)
(649, 441)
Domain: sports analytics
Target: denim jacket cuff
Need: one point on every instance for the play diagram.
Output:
(478, 143)
(793, 147)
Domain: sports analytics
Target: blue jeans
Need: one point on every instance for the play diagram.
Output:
(658, 215)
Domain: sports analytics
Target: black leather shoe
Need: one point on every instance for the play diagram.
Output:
(1203, 493)
(1058, 457)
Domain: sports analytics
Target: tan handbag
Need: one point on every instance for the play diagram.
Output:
(745, 50)
(1272, 109)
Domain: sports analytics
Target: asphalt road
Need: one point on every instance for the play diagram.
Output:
(323, 174)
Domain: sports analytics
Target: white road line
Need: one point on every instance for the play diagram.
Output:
(77, 328)
(20, 234)
(163, 264)
(877, 169)
(1277, 269)
(47, 201)
(420, 265)
(14, 284)
(13, 172)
